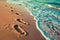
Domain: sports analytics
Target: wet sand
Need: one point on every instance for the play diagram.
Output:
(11, 15)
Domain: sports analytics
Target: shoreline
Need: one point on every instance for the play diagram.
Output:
(37, 25)
(10, 17)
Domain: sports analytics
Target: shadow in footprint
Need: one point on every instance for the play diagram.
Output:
(20, 30)
(16, 28)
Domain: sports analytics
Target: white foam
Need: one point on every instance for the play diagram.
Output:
(32, 15)
(37, 25)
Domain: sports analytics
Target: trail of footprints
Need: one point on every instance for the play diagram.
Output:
(17, 27)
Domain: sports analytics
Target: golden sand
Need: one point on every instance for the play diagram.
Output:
(17, 24)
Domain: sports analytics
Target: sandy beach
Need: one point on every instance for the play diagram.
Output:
(11, 15)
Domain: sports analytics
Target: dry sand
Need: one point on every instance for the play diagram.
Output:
(9, 15)
(3, 0)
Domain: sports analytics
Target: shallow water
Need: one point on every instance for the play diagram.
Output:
(47, 19)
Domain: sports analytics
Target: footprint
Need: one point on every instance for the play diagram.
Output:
(20, 30)
(22, 21)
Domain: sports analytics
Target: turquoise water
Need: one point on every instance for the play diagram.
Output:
(47, 19)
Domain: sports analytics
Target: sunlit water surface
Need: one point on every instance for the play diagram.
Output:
(47, 19)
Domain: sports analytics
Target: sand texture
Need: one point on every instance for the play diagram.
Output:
(16, 23)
